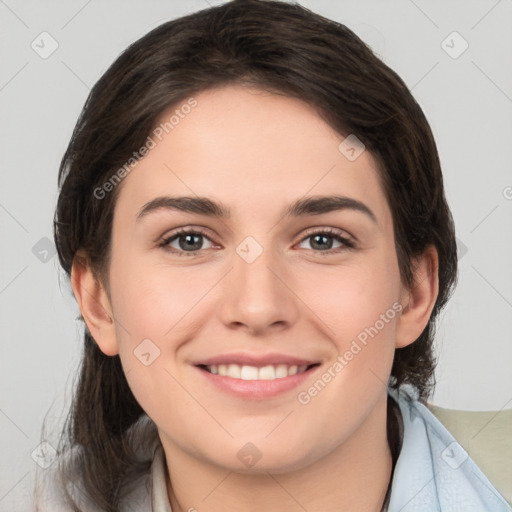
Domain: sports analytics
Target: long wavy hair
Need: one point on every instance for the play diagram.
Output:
(280, 47)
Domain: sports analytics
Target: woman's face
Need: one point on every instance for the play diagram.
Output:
(298, 309)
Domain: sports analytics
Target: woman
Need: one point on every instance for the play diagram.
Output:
(253, 219)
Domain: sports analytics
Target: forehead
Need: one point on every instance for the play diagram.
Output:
(247, 147)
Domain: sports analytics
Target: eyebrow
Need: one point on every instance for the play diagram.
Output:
(315, 205)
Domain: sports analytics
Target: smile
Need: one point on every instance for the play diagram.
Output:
(246, 372)
(256, 377)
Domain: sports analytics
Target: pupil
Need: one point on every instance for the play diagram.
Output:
(325, 240)
(189, 243)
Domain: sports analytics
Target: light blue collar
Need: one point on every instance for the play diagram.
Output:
(433, 472)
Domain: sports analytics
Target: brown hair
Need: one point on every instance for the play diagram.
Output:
(280, 47)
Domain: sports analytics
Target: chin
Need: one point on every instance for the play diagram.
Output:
(261, 458)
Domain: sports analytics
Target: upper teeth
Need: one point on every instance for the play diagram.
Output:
(269, 372)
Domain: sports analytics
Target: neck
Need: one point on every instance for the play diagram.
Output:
(353, 477)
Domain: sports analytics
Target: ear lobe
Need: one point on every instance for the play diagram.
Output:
(94, 305)
(418, 301)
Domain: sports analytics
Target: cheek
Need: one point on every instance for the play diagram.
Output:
(358, 306)
(156, 310)
(349, 299)
(151, 300)
(152, 306)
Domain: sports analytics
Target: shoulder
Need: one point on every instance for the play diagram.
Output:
(50, 494)
(433, 471)
(50, 491)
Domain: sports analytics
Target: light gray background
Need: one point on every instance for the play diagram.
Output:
(468, 101)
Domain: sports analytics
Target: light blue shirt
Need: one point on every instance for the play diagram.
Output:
(433, 472)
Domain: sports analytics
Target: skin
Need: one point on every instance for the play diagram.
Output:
(256, 153)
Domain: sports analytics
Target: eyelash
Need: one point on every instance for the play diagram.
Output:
(347, 244)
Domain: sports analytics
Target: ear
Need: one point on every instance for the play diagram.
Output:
(94, 304)
(418, 301)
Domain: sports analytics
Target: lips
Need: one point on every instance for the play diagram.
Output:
(248, 372)
(257, 360)
(256, 376)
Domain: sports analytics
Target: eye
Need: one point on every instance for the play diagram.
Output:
(323, 240)
(185, 241)
(190, 242)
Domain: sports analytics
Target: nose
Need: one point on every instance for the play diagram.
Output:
(258, 296)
